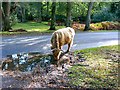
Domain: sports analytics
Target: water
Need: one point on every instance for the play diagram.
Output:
(26, 61)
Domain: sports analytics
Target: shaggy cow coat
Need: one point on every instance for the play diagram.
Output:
(60, 38)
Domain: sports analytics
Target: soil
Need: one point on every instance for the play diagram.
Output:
(46, 76)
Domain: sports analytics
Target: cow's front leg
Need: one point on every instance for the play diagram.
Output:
(69, 46)
(60, 47)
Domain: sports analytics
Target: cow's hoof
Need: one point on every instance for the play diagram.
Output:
(67, 51)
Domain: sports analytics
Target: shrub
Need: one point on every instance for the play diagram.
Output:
(110, 25)
(78, 26)
(96, 26)
(105, 26)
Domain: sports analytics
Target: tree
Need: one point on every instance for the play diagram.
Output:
(23, 11)
(115, 8)
(53, 20)
(88, 19)
(39, 9)
(47, 9)
(68, 14)
(6, 15)
(0, 16)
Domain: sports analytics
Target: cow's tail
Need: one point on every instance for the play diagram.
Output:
(57, 40)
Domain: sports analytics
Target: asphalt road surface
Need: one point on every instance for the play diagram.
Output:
(41, 43)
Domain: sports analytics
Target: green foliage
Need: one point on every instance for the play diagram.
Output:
(13, 19)
(78, 8)
(61, 18)
(37, 11)
(103, 16)
(60, 9)
(102, 12)
(115, 8)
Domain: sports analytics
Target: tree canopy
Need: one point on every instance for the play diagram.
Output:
(63, 12)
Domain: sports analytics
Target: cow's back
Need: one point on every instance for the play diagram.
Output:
(62, 36)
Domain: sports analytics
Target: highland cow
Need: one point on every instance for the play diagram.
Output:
(60, 38)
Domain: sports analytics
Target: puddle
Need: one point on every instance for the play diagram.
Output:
(26, 61)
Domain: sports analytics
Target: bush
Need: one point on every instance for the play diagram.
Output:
(98, 26)
(110, 26)
(78, 26)
(105, 26)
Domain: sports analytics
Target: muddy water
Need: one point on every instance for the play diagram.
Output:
(26, 61)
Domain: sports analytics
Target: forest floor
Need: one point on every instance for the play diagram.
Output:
(95, 68)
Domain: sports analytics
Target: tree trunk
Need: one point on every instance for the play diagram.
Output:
(23, 14)
(47, 9)
(23, 11)
(88, 19)
(1, 16)
(53, 20)
(6, 13)
(68, 14)
(13, 7)
(39, 7)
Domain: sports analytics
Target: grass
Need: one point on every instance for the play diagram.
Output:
(100, 70)
(34, 26)
(31, 27)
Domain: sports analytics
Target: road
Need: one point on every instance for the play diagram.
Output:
(41, 43)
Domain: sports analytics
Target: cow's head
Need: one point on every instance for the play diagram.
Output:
(56, 53)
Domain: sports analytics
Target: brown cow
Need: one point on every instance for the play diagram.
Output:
(60, 38)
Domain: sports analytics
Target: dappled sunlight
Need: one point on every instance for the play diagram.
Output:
(29, 39)
(39, 29)
(36, 42)
(47, 46)
(34, 26)
(94, 44)
(107, 43)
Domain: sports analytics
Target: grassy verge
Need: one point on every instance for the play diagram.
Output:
(31, 27)
(38, 28)
(99, 70)
(34, 26)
